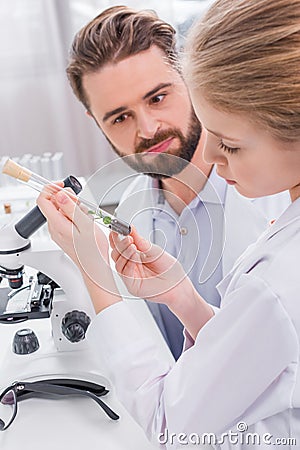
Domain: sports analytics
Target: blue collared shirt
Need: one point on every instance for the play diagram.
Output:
(197, 234)
(197, 242)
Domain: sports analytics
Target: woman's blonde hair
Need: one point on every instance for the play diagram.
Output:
(244, 56)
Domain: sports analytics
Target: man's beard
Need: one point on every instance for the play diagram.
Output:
(164, 165)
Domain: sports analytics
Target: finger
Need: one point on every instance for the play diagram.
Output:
(130, 253)
(60, 228)
(76, 199)
(125, 265)
(69, 192)
(114, 254)
(58, 224)
(72, 194)
(45, 203)
(120, 244)
(50, 189)
(127, 252)
(71, 209)
(129, 270)
(142, 244)
(149, 251)
(111, 237)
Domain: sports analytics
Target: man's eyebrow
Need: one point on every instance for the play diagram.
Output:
(114, 112)
(221, 135)
(121, 109)
(156, 89)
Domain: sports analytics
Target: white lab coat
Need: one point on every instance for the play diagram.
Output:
(236, 222)
(243, 366)
(245, 219)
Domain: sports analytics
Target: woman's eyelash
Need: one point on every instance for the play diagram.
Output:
(228, 149)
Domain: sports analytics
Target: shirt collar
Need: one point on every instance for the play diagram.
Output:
(214, 191)
(291, 214)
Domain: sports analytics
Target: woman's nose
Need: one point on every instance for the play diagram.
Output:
(212, 153)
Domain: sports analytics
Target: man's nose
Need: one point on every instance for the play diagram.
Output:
(147, 125)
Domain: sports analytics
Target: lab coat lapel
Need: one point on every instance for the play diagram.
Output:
(257, 252)
(243, 224)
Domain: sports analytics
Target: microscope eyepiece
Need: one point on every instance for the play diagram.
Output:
(34, 219)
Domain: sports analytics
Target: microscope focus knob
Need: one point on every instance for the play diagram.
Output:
(25, 342)
(74, 325)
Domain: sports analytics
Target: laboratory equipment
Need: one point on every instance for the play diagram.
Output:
(25, 342)
(10, 397)
(56, 290)
(40, 184)
(54, 303)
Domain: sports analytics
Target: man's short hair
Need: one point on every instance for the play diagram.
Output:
(115, 34)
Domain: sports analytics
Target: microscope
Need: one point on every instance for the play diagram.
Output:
(57, 310)
(56, 292)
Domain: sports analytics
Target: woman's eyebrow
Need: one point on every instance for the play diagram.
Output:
(222, 135)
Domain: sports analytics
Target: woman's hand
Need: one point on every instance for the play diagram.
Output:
(70, 226)
(83, 241)
(147, 270)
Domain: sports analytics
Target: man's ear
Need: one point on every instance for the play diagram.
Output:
(88, 113)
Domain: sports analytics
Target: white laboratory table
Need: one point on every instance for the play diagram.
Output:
(62, 423)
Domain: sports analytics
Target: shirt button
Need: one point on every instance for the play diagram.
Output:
(183, 231)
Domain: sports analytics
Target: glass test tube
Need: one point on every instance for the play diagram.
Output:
(38, 183)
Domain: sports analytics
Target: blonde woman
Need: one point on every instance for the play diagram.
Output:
(238, 378)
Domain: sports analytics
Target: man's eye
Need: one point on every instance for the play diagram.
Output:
(120, 118)
(158, 98)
